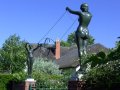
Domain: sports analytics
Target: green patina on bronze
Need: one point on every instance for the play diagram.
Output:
(30, 51)
(82, 32)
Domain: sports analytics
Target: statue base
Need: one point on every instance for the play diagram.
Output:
(77, 75)
(76, 82)
(30, 83)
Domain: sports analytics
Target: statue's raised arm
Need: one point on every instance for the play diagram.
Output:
(72, 11)
(27, 46)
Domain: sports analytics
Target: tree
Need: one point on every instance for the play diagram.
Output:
(115, 52)
(71, 40)
(117, 44)
(13, 54)
(64, 44)
(91, 40)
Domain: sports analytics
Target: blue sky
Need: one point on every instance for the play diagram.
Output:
(31, 19)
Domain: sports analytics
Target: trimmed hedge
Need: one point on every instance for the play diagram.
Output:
(4, 80)
(104, 77)
(7, 80)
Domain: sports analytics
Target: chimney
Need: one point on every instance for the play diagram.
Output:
(57, 51)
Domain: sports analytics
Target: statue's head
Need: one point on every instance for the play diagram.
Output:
(84, 7)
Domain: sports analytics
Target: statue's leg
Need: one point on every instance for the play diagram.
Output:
(28, 68)
(85, 46)
(79, 43)
(31, 64)
(79, 49)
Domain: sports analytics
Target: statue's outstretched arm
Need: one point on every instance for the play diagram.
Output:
(27, 46)
(72, 11)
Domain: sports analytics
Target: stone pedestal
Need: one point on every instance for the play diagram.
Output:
(29, 82)
(76, 85)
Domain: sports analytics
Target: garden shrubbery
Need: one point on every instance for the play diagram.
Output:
(46, 66)
(47, 74)
(104, 73)
(4, 80)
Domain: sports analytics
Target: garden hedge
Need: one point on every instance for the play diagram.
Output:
(4, 80)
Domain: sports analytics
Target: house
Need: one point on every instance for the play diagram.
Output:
(68, 55)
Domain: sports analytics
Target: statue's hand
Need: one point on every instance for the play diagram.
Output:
(27, 46)
(67, 8)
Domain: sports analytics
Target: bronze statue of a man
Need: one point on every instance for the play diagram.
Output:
(82, 33)
(30, 51)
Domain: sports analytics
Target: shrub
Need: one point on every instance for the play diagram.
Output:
(104, 70)
(104, 75)
(21, 76)
(47, 73)
(7, 79)
(46, 66)
(4, 80)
